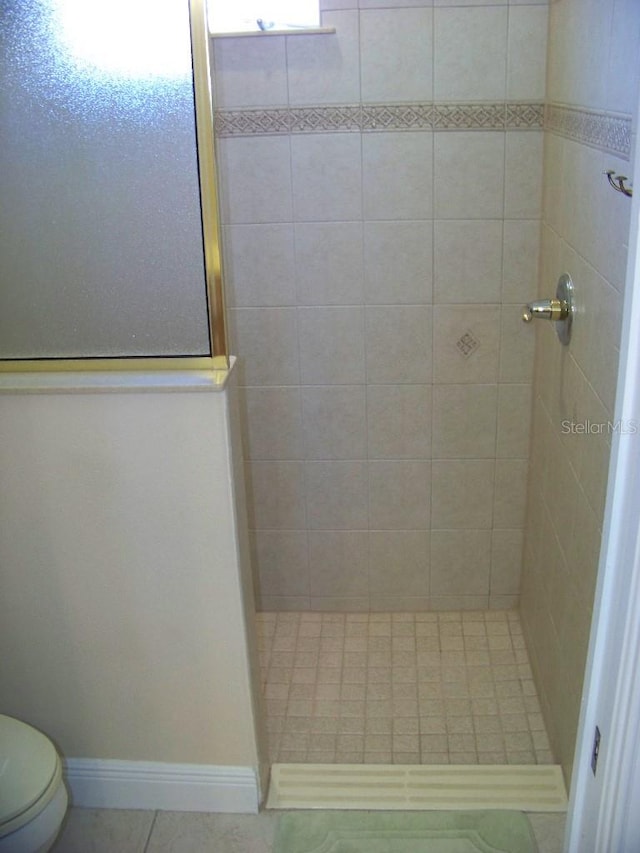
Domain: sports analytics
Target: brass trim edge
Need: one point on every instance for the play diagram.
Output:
(208, 183)
(108, 365)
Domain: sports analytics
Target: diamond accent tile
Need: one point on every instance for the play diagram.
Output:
(467, 344)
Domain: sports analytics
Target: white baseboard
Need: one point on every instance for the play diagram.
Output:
(109, 784)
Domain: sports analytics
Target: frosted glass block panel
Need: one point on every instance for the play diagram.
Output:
(101, 250)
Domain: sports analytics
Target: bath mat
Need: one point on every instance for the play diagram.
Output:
(404, 832)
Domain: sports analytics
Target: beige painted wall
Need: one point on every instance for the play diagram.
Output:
(592, 64)
(124, 592)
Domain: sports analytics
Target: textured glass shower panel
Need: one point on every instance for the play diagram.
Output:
(101, 248)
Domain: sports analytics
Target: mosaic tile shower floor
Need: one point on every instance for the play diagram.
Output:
(401, 688)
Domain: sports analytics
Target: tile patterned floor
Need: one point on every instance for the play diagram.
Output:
(119, 831)
(403, 688)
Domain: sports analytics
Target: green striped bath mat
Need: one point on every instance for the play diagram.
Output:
(404, 832)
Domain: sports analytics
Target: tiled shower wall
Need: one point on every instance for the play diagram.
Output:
(594, 72)
(381, 197)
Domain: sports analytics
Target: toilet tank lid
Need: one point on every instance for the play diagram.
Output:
(28, 762)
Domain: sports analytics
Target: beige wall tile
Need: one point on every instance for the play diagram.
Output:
(259, 265)
(273, 603)
(470, 53)
(249, 72)
(462, 494)
(447, 3)
(399, 421)
(341, 604)
(459, 602)
(504, 602)
(517, 344)
(466, 341)
(275, 492)
(506, 562)
(464, 421)
(397, 179)
(396, 54)
(326, 70)
(331, 345)
(621, 91)
(523, 175)
(468, 261)
(514, 419)
(334, 422)
(460, 560)
(577, 59)
(336, 495)
(510, 492)
(399, 563)
(282, 562)
(584, 551)
(338, 564)
(582, 230)
(398, 343)
(468, 175)
(521, 246)
(328, 263)
(267, 341)
(398, 262)
(527, 52)
(255, 180)
(326, 170)
(399, 603)
(597, 327)
(553, 185)
(272, 423)
(399, 495)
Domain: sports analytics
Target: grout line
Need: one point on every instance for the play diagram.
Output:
(151, 828)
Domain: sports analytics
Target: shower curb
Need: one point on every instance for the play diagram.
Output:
(533, 788)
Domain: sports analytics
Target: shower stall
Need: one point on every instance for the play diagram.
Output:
(425, 473)
(425, 494)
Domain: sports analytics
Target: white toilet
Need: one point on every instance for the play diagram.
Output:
(33, 798)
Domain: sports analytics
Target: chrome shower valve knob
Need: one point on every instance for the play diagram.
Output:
(560, 309)
(547, 309)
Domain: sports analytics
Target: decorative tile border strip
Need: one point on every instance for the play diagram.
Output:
(251, 122)
(324, 119)
(376, 117)
(397, 117)
(606, 131)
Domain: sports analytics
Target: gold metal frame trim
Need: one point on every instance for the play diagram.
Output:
(108, 365)
(208, 182)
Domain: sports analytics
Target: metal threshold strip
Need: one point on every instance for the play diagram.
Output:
(533, 788)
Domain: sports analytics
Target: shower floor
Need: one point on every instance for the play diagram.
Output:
(399, 688)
